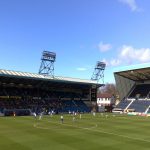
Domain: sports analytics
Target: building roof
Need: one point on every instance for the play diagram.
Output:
(136, 74)
(104, 95)
(19, 74)
(132, 67)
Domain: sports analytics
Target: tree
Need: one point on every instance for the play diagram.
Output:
(109, 88)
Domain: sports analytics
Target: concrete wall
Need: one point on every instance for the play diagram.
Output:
(123, 85)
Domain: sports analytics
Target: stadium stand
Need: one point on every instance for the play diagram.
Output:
(134, 89)
(25, 93)
(141, 91)
(123, 104)
(140, 105)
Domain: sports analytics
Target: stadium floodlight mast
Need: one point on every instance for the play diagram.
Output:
(47, 63)
(99, 71)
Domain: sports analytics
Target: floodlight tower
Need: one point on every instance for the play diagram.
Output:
(99, 71)
(47, 63)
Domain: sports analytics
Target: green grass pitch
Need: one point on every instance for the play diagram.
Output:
(118, 132)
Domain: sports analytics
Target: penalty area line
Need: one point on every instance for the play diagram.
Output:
(120, 135)
(91, 129)
(110, 133)
(36, 125)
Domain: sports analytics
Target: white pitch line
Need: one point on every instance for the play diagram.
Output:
(95, 125)
(120, 135)
(36, 126)
(100, 131)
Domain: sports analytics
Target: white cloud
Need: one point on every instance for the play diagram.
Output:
(115, 62)
(104, 47)
(81, 69)
(104, 60)
(112, 62)
(131, 3)
(130, 54)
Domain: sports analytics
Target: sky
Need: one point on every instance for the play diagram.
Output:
(80, 32)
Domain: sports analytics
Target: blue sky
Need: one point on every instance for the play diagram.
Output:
(81, 32)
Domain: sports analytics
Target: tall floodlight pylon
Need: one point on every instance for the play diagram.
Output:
(47, 63)
(99, 71)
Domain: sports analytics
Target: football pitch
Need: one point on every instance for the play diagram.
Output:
(102, 132)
